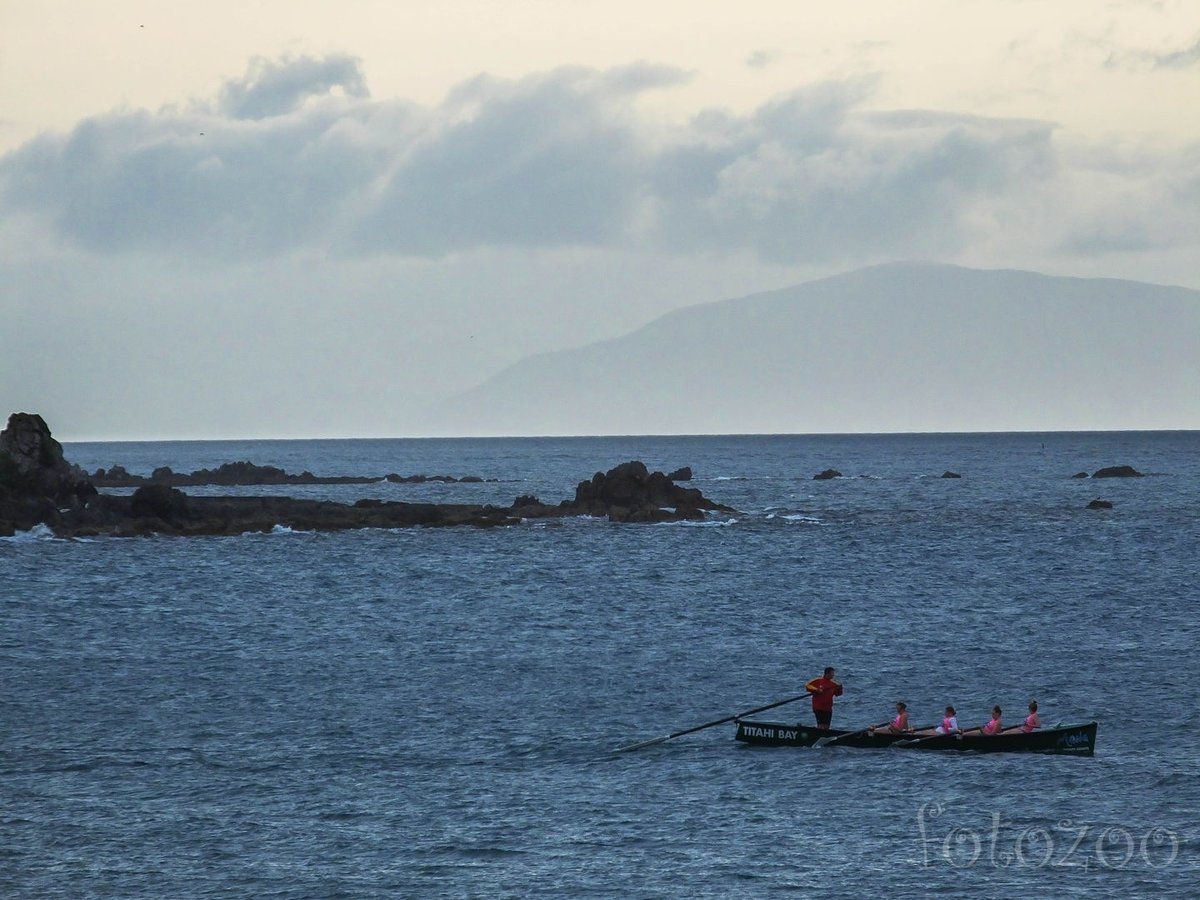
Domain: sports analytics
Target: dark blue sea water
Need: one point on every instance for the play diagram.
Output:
(431, 712)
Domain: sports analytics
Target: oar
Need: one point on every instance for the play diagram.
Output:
(830, 741)
(914, 742)
(675, 734)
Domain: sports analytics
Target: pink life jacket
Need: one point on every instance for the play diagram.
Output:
(992, 727)
(897, 723)
(1031, 722)
(950, 724)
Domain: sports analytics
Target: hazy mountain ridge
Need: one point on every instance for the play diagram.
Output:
(896, 347)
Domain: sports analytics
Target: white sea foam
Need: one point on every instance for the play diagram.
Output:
(276, 529)
(39, 532)
(696, 523)
(799, 518)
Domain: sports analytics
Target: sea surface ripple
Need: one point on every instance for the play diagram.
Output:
(432, 712)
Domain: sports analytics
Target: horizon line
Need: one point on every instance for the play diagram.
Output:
(629, 435)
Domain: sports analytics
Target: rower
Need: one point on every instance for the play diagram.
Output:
(949, 723)
(898, 725)
(1032, 722)
(994, 726)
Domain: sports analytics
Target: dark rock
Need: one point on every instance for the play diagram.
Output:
(1117, 472)
(949, 474)
(116, 476)
(631, 493)
(158, 501)
(681, 474)
(526, 500)
(1100, 504)
(1080, 475)
(827, 474)
(244, 474)
(445, 479)
(32, 463)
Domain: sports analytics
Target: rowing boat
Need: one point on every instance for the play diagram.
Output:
(1077, 740)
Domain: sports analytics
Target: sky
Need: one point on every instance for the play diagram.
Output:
(307, 219)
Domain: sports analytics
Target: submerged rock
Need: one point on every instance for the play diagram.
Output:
(827, 474)
(1117, 472)
(1100, 504)
(949, 474)
(1080, 475)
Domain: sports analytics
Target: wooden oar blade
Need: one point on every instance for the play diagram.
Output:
(913, 742)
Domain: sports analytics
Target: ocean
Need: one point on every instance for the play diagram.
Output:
(433, 712)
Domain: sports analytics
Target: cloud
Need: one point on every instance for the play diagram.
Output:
(760, 59)
(275, 88)
(1178, 59)
(549, 160)
(230, 180)
(1182, 58)
(296, 156)
(1133, 200)
(809, 177)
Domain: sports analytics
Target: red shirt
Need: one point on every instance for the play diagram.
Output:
(823, 690)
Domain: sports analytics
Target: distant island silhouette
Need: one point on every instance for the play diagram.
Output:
(899, 347)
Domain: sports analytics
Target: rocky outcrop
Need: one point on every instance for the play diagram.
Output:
(445, 479)
(244, 474)
(1117, 472)
(38, 486)
(631, 493)
(681, 474)
(32, 462)
(175, 513)
(827, 475)
(949, 474)
(1100, 504)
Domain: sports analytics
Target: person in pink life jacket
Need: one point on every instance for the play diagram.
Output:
(995, 726)
(949, 723)
(1032, 722)
(898, 725)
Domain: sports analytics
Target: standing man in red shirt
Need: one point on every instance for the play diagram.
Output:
(823, 690)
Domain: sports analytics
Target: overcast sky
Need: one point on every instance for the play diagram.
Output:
(308, 218)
